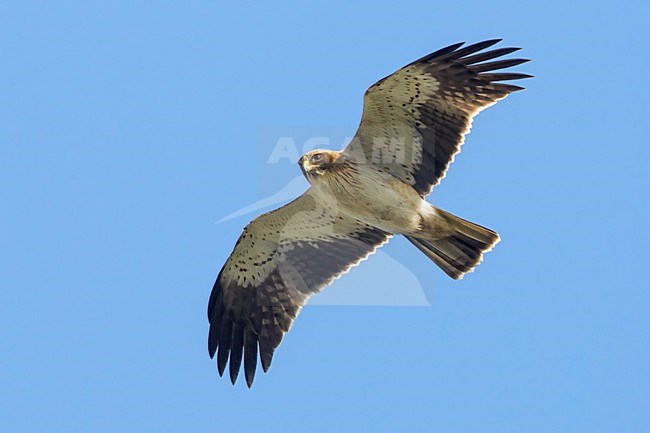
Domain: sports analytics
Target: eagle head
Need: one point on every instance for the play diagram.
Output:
(317, 162)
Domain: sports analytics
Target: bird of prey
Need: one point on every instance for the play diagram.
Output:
(413, 124)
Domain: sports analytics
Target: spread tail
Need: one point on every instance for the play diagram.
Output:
(456, 245)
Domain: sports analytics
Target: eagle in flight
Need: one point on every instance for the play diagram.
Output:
(413, 124)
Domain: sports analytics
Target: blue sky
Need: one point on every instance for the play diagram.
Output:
(127, 129)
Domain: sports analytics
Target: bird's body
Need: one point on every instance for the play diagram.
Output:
(414, 122)
(374, 197)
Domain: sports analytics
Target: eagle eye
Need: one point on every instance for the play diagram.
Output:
(317, 157)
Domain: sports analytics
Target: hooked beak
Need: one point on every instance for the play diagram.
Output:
(302, 167)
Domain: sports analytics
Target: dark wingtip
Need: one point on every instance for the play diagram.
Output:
(439, 53)
(221, 362)
(266, 361)
(234, 370)
(509, 88)
(213, 341)
(236, 351)
(233, 374)
(250, 355)
(483, 45)
(461, 52)
(504, 76)
(492, 41)
(488, 55)
(449, 48)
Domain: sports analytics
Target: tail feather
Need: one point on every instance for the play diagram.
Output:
(461, 250)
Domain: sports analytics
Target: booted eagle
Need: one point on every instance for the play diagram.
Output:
(413, 124)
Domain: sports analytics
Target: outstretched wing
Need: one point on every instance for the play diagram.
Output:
(281, 259)
(414, 121)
